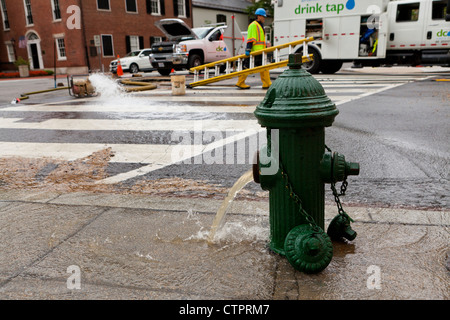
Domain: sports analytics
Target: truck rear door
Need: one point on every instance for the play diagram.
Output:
(382, 35)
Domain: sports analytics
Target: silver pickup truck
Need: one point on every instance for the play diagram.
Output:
(186, 48)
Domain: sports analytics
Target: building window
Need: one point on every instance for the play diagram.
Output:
(181, 8)
(103, 5)
(107, 45)
(5, 16)
(56, 10)
(134, 43)
(130, 5)
(28, 13)
(181, 5)
(61, 48)
(155, 40)
(155, 7)
(408, 12)
(221, 18)
(11, 53)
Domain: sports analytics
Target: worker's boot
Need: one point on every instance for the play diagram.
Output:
(241, 82)
(265, 78)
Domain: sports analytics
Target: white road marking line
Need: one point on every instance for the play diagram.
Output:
(123, 153)
(129, 124)
(196, 151)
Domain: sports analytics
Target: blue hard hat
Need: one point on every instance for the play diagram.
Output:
(260, 12)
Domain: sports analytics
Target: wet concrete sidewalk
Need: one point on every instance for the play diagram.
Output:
(146, 247)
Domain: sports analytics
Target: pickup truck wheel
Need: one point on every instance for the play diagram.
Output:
(164, 72)
(314, 65)
(195, 60)
(134, 68)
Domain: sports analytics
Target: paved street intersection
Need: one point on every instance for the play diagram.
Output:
(142, 131)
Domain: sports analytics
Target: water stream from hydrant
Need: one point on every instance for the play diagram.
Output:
(112, 93)
(221, 213)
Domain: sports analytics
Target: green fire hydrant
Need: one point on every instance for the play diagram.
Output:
(295, 165)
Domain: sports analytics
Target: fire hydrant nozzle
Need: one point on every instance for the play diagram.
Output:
(334, 168)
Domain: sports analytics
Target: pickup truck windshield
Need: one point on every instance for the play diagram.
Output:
(202, 32)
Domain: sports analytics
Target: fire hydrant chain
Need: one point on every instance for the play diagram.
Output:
(298, 201)
(340, 226)
(336, 195)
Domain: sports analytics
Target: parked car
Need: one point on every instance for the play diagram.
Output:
(133, 62)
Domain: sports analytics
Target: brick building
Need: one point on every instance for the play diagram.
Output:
(49, 32)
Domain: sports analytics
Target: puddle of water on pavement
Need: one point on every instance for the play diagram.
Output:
(178, 254)
(246, 229)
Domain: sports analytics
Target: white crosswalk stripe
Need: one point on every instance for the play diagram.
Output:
(142, 112)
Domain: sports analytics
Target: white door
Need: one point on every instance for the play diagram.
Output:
(216, 48)
(437, 30)
(349, 37)
(330, 44)
(382, 35)
(144, 61)
(406, 24)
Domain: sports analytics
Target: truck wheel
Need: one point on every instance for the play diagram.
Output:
(134, 68)
(314, 65)
(195, 60)
(331, 66)
(164, 72)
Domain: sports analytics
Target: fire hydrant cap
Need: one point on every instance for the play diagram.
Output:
(296, 99)
(308, 250)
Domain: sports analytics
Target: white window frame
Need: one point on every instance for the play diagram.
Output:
(132, 12)
(4, 12)
(28, 12)
(158, 7)
(60, 50)
(54, 8)
(181, 4)
(10, 51)
(109, 5)
(134, 46)
(112, 45)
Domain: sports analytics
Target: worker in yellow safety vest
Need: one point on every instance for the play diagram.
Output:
(256, 40)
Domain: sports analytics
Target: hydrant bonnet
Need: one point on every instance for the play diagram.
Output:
(296, 100)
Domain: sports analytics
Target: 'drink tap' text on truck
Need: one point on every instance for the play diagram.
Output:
(367, 32)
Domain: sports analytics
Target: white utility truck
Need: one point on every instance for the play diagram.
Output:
(367, 32)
